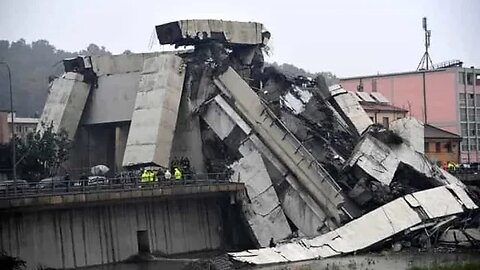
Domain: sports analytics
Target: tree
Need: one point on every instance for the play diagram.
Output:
(42, 153)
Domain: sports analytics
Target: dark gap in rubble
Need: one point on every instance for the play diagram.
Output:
(384, 135)
(217, 155)
(408, 180)
(235, 237)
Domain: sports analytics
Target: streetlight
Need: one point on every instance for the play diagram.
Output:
(14, 162)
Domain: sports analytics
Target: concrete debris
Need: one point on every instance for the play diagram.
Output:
(348, 106)
(411, 130)
(190, 32)
(321, 179)
(261, 206)
(284, 144)
(469, 237)
(378, 225)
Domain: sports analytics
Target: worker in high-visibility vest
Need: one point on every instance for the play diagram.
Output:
(151, 176)
(178, 174)
(145, 177)
(452, 167)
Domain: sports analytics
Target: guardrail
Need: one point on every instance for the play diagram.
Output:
(55, 186)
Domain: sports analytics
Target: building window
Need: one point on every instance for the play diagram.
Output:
(477, 79)
(426, 147)
(449, 147)
(473, 145)
(374, 85)
(470, 100)
(471, 115)
(473, 130)
(462, 101)
(469, 78)
(385, 122)
(438, 147)
(360, 86)
(463, 127)
(464, 145)
(463, 114)
(461, 78)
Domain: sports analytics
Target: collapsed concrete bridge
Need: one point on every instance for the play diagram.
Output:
(308, 154)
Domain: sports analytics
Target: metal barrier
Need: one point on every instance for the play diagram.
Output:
(54, 186)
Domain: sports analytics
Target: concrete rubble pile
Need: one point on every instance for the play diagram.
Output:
(321, 179)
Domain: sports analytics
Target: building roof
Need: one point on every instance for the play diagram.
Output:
(438, 133)
(403, 73)
(381, 107)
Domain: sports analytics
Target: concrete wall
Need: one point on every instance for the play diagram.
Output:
(99, 234)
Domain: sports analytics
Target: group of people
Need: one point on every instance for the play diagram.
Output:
(148, 175)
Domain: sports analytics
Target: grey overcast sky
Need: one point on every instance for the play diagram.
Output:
(347, 37)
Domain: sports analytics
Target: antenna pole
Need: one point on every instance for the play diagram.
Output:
(426, 61)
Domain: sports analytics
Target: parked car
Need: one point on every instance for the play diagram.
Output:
(10, 186)
(55, 182)
(97, 180)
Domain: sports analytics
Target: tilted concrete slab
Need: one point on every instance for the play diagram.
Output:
(376, 226)
(261, 208)
(155, 115)
(297, 204)
(311, 175)
(263, 213)
(381, 161)
(348, 107)
(374, 158)
(411, 130)
(113, 100)
(65, 103)
(194, 31)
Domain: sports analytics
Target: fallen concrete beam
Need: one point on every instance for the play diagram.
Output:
(190, 32)
(372, 228)
(261, 208)
(155, 115)
(65, 104)
(311, 175)
(297, 205)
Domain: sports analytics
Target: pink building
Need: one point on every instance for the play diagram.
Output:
(450, 100)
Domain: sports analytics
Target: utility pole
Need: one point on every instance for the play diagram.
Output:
(14, 158)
